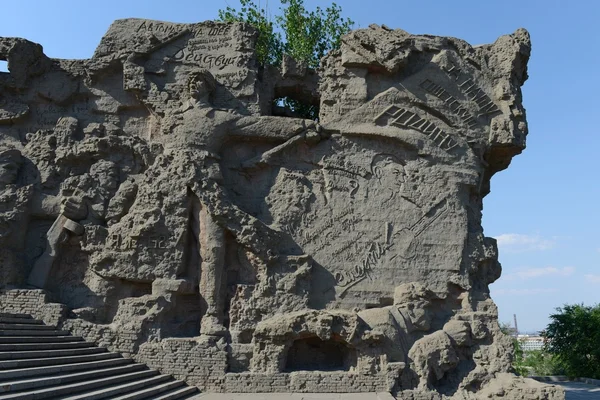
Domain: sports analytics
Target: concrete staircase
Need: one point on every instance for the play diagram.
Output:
(40, 362)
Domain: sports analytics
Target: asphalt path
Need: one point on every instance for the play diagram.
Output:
(579, 391)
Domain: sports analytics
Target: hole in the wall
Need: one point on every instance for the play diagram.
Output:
(3, 66)
(184, 319)
(245, 336)
(386, 301)
(295, 108)
(314, 354)
(383, 302)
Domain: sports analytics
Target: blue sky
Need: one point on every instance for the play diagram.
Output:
(543, 209)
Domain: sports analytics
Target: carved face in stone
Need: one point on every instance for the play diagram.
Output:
(106, 173)
(10, 163)
(292, 198)
(419, 314)
(201, 85)
(198, 88)
(389, 171)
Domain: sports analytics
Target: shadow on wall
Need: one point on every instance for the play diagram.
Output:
(315, 354)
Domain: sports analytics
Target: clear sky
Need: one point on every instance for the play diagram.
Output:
(543, 209)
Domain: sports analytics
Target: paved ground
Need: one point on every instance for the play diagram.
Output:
(297, 396)
(579, 391)
(573, 390)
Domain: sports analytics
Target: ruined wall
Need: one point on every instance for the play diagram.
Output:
(169, 214)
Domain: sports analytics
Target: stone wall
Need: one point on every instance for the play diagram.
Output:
(34, 303)
(200, 363)
(174, 213)
(306, 382)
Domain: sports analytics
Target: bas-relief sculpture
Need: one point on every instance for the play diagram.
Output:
(160, 194)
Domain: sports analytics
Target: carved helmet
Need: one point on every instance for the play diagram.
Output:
(9, 154)
(206, 76)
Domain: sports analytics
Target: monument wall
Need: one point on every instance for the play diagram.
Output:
(157, 200)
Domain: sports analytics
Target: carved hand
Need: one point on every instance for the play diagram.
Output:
(315, 133)
(255, 162)
(74, 208)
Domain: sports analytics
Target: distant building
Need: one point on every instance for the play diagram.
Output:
(509, 330)
(529, 342)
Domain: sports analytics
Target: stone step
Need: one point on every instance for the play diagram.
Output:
(180, 393)
(150, 392)
(32, 332)
(40, 362)
(22, 355)
(22, 327)
(40, 382)
(11, 320)
(109, 392)
(88, 387)
(44, 346)
(15, 315)
(23, 373)
(39, 339)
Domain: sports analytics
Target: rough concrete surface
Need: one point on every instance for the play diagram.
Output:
(158, 201)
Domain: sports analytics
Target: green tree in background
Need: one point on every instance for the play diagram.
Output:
(304, 35)
(519, 360)
(542, 363)
(574, 337)
(269, 45)
(533, 362)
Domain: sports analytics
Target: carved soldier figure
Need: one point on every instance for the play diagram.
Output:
(398, 323)
(14, 210)
(93, 191)
(17, 206)
(199, 130)
(435, 354)
(86, 197)
(390, 174)
(10, 162)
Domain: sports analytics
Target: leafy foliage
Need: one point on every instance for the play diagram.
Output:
(304, 35)
(519, 360)
(574, 337)
(542, 363)
(533, 362)
(311, 35)
(269, 44)
(302, 110)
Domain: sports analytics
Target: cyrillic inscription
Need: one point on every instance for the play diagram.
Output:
(454, 104)
(119, 242)
(399, 117)
(471, 90)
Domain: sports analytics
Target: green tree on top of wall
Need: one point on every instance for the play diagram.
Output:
(304, 35)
